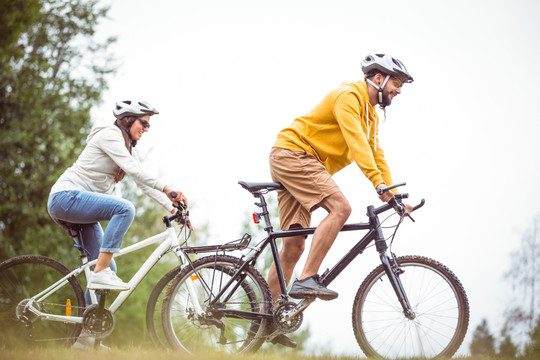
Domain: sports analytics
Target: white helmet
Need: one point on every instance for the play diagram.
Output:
(133, 108)
(387, 65)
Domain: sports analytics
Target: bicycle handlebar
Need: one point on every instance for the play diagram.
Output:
(385, 189)
(396, 202)
(180, 205)
(422, 202)
(181, 216)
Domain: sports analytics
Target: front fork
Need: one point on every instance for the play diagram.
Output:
(390, 264)
(393, 271)
(184, 261)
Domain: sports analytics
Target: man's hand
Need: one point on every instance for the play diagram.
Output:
(385, 196)
(408, 207)
(388, 195)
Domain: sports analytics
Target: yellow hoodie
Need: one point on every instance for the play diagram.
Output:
(341, 129)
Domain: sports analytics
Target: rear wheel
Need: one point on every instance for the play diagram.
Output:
(439, 302)
(194, 322)
(23, 277)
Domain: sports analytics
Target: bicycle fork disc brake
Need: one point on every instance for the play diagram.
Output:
(393, 271)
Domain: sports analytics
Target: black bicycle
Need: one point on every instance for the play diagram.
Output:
(408, 307)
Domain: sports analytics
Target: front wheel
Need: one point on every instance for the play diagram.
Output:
(153, 307)
(21, 279)
(196, 320)
(439, 302)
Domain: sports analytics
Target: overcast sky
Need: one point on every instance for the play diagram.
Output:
(227, 76)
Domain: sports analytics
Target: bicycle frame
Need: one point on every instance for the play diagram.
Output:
(374, 234)
(167, 240)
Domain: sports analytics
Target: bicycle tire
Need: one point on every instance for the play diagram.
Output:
(154, 301)
(24, 276)
(438, 300)
(196, 334)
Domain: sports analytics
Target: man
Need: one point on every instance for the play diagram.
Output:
(341, 129)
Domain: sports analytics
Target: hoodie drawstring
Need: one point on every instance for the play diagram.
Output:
(375, 128)
(380, 89)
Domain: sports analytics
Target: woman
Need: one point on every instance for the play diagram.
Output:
(82, 194)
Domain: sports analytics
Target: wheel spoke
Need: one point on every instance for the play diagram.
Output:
(196, 321)
(23, 277)
(439, 303)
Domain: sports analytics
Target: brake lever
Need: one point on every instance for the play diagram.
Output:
(181, 204)
(400, 208)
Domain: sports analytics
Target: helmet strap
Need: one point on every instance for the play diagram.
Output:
(380, 89)
(126, 131)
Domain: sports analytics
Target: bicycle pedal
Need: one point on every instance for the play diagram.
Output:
(273, 335)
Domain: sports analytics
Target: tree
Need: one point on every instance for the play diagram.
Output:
(52, 72)
(483, 343)
(524, 275)
(533, 350)
(507, 349)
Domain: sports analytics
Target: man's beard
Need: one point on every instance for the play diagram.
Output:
(386, 100)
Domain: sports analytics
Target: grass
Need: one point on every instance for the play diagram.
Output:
(134, 353)
(143, 354)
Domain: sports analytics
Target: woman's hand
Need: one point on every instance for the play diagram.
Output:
(179, 195)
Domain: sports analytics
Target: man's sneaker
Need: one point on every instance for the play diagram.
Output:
(284, 340)
(85, 342)
(311, 287)
(106, 280)
(281, 339)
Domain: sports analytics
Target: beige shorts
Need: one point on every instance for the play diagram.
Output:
(306, 181)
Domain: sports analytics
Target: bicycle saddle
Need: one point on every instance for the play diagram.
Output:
(258, 186)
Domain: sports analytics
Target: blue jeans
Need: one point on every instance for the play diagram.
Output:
(89, 208)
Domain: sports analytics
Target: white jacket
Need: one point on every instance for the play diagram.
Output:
(105, 153)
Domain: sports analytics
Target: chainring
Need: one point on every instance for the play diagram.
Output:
(98, 327)
(284, 324)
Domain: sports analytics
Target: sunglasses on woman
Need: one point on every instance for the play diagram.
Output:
(145, 124)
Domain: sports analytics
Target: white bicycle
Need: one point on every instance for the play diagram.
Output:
(43, 301)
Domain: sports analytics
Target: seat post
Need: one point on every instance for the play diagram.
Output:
(76, 234)
(262, 204)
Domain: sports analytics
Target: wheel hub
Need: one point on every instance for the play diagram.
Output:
(22, 312)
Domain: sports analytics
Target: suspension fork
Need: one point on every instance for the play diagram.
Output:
(393, 271)
(389, 263)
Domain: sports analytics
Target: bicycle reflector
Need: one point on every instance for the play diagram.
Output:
(68, 307)
(256, 218)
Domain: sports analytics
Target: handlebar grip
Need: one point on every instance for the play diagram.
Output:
(383, 190)
(422, 202)
(180, 205)
(401, 196)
